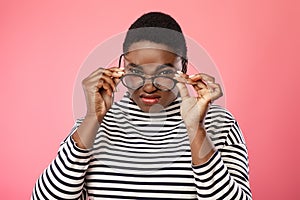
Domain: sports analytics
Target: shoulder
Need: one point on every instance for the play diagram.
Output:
(216, 110)
(217, 113)
(222, 127)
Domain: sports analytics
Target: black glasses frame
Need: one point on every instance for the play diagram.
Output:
(144, 81)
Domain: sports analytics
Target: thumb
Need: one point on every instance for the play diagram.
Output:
(183, 90)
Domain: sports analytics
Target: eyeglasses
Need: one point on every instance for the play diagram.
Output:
(135, 81)
(162, 82)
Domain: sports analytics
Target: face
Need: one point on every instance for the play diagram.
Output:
(148, 59)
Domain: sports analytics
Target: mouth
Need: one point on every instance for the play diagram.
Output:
(149, 99)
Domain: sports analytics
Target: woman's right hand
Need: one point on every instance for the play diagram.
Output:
(98, 89)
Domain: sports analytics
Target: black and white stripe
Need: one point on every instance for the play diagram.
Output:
(139, 155)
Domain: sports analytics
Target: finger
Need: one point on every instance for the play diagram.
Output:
(100, 84)
(116, 81)
(90, 83)
(200, 90)
(215, 91)
(97, 72)
(114, 72)
(184, 93)
(116, 69)
(106, 94)
(104, 88)
(181, 74)
(197, 84)
(105, 100)
(183, 78)
(117, 74)
(108, 89)
(207, 78)
(109, 80)
(108, 100)
(195, 77)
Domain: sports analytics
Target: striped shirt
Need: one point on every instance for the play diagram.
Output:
(138, 155)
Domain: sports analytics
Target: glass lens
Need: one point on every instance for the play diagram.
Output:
(132, 81)
(164, 83)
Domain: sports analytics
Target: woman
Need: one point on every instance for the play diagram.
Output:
(158, 142)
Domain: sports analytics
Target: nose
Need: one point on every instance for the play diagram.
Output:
(148, 86)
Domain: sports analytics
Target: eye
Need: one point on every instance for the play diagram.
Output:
(135, 71)
(167, 72)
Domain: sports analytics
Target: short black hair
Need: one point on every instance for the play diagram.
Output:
(157, 27)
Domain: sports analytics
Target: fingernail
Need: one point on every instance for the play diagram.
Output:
(177, 75)
(179, 72)
(191, 76)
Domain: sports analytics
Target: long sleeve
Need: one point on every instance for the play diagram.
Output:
(226, 174)
(64, 177)
(135, 161)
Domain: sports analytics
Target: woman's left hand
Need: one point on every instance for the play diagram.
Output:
(194, 109)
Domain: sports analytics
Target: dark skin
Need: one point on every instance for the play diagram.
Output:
(101, 84)
(150, 62)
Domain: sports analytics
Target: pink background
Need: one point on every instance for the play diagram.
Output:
(255, 45)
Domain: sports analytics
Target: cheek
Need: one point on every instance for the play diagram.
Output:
(169, 97)
(133, 94)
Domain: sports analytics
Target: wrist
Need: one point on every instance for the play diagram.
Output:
(195, 129)
(93, 118)
(201, 146)
(86, 132)
(78, 141)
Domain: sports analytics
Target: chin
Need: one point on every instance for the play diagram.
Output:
(153, 109)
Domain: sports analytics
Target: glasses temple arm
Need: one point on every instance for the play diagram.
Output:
(120, 60)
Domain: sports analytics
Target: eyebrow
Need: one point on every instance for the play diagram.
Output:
(162, 66)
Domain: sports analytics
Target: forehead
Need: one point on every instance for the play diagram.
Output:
(146, 52)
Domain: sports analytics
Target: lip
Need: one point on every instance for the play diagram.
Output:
(149, 99)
